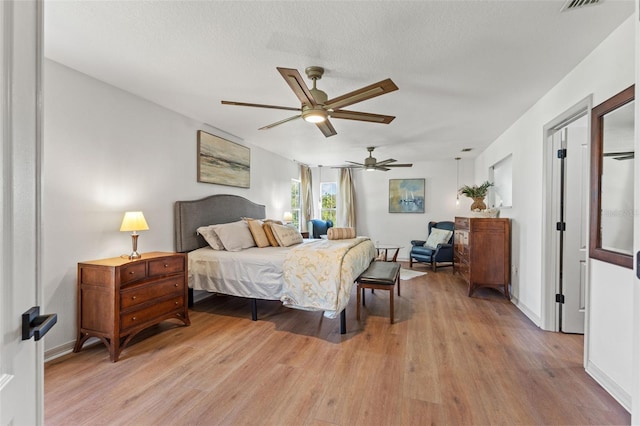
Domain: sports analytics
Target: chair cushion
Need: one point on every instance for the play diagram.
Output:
(438, 236)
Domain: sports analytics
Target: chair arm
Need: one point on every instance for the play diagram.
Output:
(443, 251)
(417, 242)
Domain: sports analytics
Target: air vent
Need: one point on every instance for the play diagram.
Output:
(577, 4)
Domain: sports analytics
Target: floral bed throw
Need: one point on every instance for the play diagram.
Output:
(318, 276)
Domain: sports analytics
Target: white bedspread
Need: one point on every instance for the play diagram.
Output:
(319, 276)
(259, 273)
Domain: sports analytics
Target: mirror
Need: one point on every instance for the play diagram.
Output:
(612, 186)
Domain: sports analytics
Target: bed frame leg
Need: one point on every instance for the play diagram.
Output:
(343, 321)
(254, 310)
(190, 298)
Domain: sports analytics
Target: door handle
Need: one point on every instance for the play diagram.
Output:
(36, 325)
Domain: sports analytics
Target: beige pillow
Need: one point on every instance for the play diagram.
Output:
(259, 236)
(269, 233)
(210, 236)
(340, 233)
(286, 235)
(235, 236)
(438, 236)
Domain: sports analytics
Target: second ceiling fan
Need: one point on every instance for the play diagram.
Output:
(317, 108)
(371, 163)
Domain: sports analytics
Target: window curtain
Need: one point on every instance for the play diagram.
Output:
(306, 208)
(346, 200)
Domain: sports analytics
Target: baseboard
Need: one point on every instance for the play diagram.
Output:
(609, 385)
(58, 351)
(528, 312)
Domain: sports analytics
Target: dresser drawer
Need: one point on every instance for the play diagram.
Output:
(133, 272)
(143, 293)
(462, 223)
(142, 316)
(166, 265)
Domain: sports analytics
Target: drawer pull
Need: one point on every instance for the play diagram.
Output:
(175, 285)
(133, 318)
(166, 265)
(176, 303)
(134, 297)
(131, 272)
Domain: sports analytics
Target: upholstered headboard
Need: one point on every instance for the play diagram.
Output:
(212, 210)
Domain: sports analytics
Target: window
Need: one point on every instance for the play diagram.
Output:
(328, 192)
(295, 203)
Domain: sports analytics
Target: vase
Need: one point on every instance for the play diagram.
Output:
(478, 204)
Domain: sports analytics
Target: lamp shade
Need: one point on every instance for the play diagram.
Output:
(134, 221)
(287, 217)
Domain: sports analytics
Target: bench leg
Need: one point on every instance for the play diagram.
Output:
(358, 303)
(391, 305)
(343, 321)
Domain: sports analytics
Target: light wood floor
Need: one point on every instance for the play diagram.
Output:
(448, 359)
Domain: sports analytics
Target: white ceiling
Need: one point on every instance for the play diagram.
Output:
(466, 70)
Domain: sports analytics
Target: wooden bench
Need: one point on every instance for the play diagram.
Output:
(379, 276)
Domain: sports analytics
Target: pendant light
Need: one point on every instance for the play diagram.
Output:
(320, 190)
(457, 181)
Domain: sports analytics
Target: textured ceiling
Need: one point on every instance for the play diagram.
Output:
(466, 70)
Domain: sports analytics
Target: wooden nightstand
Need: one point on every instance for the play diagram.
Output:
(118, 297)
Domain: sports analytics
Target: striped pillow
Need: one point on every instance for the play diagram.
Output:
(341, 233)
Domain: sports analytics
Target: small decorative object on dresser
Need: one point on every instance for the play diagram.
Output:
(482, 252)
(118, 297)
(477, 193)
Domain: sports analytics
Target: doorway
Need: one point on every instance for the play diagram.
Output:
(565, 221)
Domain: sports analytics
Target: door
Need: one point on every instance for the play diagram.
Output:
(21, 362)
(571, 148)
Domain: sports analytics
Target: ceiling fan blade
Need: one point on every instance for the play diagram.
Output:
(260, 105)
(357, 164)
(625, 157)
(384, 169)
(362, 116)
(297, 84)
(615, 154)
(346, 166)
(399, 165)
(277, 123)
(385, 162)
(367, 92)
(327, 128)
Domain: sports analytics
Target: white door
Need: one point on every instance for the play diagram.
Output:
(21, 362)
(571, 184)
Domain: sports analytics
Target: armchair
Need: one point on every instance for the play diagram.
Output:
(437, 251)
(318, 227)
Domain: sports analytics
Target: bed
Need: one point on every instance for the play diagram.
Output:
(316, 275)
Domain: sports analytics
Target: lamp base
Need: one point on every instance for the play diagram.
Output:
(135, 255)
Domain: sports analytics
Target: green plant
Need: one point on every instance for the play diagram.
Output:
(476, 191)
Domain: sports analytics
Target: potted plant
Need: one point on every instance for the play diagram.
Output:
(477, 192)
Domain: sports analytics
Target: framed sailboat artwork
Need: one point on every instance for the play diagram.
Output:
(406, 195)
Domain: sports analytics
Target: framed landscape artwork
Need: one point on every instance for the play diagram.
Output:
(406, 195)
(223, 162)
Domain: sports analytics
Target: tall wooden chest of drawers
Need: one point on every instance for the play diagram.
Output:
(482, 252)
(118, 297)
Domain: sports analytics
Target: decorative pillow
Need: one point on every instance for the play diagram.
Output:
(210, 236)
(269, 233)
(259, 236)
(235, 236)
(438, 236)
(286, 235)
(341, 233)
(279, 222)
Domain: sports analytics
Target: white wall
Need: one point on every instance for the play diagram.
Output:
(107, 151)
(609, 69)
(372, 200)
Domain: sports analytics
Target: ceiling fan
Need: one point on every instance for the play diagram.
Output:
(317, 108)
(370, 163)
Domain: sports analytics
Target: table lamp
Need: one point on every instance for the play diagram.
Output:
(134, 221)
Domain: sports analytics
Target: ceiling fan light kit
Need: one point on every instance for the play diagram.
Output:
(317, 108)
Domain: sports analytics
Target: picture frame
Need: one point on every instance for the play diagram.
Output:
(223, 162)
(406, 195)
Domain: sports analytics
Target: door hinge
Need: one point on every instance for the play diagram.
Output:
(561, 226)
(559, 298)
(562, 153)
